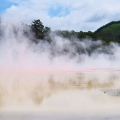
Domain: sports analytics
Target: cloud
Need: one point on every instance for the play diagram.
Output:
(58, 11)
(66, 15)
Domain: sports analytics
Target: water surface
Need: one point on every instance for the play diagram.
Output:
(70, 95)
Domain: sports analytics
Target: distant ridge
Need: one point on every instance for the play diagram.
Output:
(110, 31)
(107, 25)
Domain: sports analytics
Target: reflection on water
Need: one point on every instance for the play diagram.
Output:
(60, 95)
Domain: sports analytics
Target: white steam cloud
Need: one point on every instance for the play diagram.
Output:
(74, 91)
(19, 54)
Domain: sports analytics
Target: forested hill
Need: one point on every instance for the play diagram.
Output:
(107, 33)
(110, 31)
(38, 33)
(113, 26)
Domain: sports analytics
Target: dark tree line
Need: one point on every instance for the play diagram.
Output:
(107, 33)
(41, 32)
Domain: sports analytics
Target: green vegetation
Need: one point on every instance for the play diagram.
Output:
(107, 33)
(110, 32)
(80, 42)
(40, 31)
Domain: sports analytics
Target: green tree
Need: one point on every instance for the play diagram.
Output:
(46, 30)
(38, 29)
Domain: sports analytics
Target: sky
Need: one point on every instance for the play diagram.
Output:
(85, 15)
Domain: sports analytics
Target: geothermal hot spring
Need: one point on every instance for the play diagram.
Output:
(91, 94)
(44, 82)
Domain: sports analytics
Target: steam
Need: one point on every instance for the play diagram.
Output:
(61, 71)
(43, 92)
(18, 53)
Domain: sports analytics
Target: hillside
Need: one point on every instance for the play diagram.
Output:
(110, 31)
(107, 33)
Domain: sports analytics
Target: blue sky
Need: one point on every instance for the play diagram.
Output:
(4, 4)
(58, 11)
(60, 14)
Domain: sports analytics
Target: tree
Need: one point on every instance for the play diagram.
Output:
(38, 28)
(46, 30)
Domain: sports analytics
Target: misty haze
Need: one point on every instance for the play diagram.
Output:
(59, 73)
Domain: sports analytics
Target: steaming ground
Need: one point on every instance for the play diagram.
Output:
(58, 78)
(18, 52)
(69, 95)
